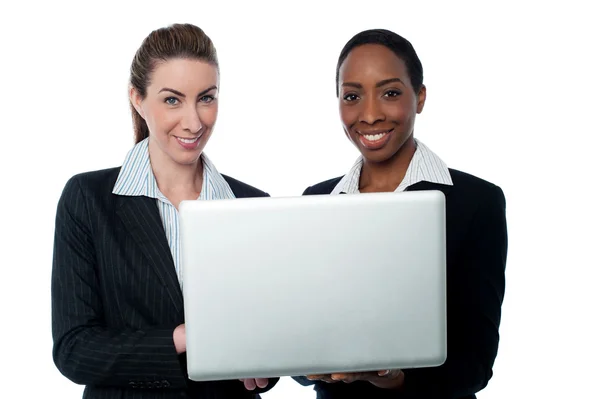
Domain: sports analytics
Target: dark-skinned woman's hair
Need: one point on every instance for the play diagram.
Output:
(396, 43)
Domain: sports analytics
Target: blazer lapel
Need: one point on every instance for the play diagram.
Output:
(142, 220)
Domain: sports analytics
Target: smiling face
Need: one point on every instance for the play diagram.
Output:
(377, 102)
(180, 108)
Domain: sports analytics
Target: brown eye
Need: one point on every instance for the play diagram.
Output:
(350, 97)
(392, 93)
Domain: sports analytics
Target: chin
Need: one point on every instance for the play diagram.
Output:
(377, 156)
(187, 159)
(373, 158)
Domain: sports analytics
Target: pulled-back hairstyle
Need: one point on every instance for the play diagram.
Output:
(396, 43)
(175, 41)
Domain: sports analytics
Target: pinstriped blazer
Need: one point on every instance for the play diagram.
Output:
(116, 299)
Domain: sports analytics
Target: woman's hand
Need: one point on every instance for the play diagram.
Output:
(253, 383)
(386, 379)
(179, 339)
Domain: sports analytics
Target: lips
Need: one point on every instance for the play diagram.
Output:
(374, 135)
(186, 140)
(189, 143)
(374, 139)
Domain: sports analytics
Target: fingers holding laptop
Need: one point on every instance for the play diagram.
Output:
(388, 379)
(321, 377)
(253, 383)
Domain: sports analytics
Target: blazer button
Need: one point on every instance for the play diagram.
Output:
(165, 384)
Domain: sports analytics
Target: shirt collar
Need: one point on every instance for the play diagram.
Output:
(214, 186)
(425, 165)
(137, 179)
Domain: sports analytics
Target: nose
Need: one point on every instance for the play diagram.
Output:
(191, 120)
(371, 111)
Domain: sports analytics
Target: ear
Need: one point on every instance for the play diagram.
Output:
(421, 99)
(136, 100)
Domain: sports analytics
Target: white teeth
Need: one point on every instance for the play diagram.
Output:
(374, 137)
(188, 141)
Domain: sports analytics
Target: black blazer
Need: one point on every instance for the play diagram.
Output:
(116, 299)
(476, 259)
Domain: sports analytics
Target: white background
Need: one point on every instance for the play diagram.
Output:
(513, 94)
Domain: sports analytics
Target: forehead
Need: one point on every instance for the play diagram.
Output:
(184, 75)
(372, 61)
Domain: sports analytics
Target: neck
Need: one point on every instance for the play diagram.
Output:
(175, 178)
(386, 176)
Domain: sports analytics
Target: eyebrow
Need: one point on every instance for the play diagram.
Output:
(379, 84)
(183, 95)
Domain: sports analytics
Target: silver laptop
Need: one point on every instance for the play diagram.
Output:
(314, 284)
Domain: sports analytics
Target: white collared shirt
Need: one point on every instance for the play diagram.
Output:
(137, 179)
(425, 165)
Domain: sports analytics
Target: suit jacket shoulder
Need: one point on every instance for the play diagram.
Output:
(325, 187)
(92, 190)
(243, 190)
(98, 181)
(465, 181)
(471, 194)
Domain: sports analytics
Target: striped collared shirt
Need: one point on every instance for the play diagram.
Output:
(137, 179)
(425, 165)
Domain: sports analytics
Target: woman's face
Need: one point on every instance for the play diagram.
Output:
(377, 102)
(180, 108)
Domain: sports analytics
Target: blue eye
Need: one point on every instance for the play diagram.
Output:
(171, 100)
(207, 99)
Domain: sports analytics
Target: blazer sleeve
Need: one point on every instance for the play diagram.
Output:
(476, 305)
(85, 350)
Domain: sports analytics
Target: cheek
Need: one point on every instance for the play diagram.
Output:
(208, 115)
(160, 120)
(400, 113)
(348, 115)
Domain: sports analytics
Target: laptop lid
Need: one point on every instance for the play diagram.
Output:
(314, 284)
